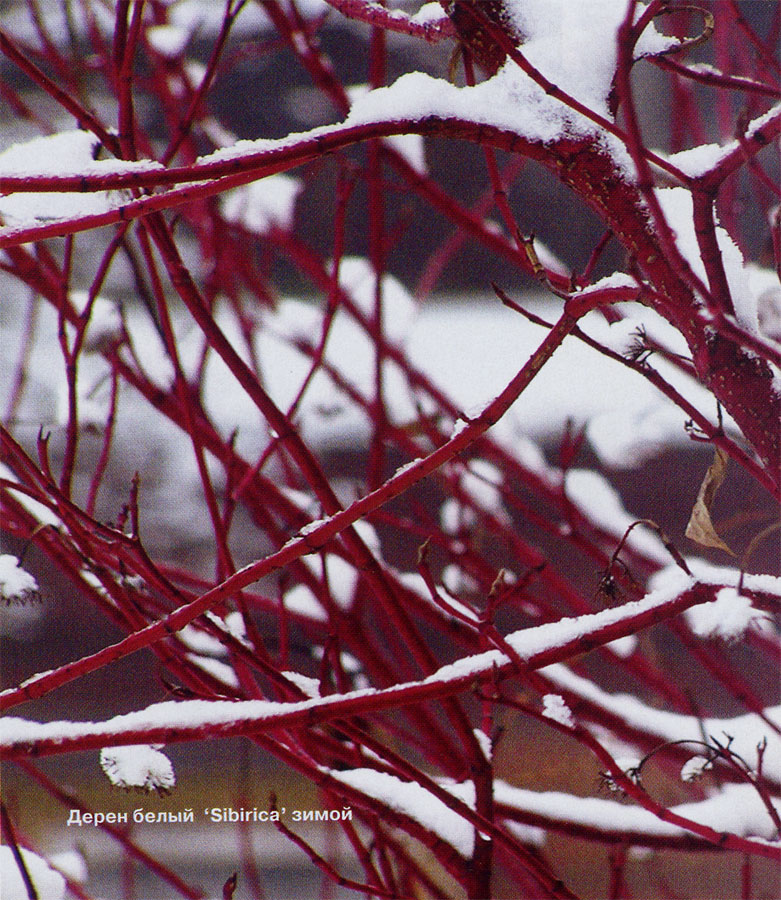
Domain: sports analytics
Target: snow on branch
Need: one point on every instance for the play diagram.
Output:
(187, 720)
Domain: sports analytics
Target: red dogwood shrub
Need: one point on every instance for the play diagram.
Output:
(270, 494)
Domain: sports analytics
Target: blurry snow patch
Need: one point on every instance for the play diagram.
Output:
(168, 40)
(473, 349)
(200, 641)
(350, 665)
(307, 503)
(454, 517)
(413, 800)
(148, 346)
(630, 433)
(470, 351)
(309, 686)
(234, 622)
(531, 835)
(610, 741)
(105, 320)
(734, 809)
(549, 259)
(367, 533)
(339, 576)
(412, 148)
(207, 16)
(48, 884)
(555, 707)
(71, 864)
(629, 439)
(531, 457)
(414, 582)
(677, 206)
(326, 415)
(196, 72)
(727, 617)
(138, 766)
(480, 481)
(263, 204)
(485, 742)
(636, 321)
(145, 440)
(93, 396)
(623, 647)
(16, 584)
(766, 288)
(217, 133)
(357, 278)
(220, 671)
(36, 509)
(458, 581)
(601, 504)
(300, 600)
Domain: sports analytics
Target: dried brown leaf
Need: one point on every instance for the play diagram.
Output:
(700, 527)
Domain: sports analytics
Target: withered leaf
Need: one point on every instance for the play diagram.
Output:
(700, 527)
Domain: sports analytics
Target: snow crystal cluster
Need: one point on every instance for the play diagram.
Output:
(138, 766)
(555, 708)
(16, 584)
